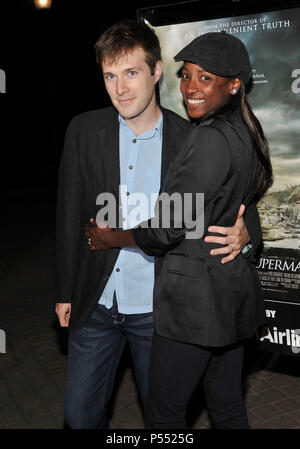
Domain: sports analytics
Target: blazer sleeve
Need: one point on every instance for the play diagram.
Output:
(252, 222)
(198, 169)
(68, 216)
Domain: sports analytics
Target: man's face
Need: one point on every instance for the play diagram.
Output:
(202, 91)
(129, 83)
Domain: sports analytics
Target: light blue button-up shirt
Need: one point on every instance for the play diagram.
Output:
(140, 169)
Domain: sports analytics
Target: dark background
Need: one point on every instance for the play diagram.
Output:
(51, 76)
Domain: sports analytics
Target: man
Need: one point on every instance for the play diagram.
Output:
(105, 298)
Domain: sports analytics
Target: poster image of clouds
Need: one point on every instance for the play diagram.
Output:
(272, 40)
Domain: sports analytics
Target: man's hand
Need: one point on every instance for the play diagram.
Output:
(235, 238)
(63, 312)
(96, 234)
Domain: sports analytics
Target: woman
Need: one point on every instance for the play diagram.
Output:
(204, 310)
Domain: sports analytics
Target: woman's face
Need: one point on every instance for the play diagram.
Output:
(202, 91)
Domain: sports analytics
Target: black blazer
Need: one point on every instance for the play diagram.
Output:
(90, 166)
(196, 298)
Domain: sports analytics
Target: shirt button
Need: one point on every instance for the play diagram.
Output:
(127, 193)
(117, 269)
(134, 141)
(130, 167)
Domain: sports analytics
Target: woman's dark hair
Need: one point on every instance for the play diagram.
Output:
(124, 37)
(264, 174)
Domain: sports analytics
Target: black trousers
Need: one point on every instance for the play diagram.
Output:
(175, 370)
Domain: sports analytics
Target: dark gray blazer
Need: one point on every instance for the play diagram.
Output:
(90, 166)
(196, 298)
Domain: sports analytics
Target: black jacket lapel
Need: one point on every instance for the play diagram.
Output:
(109, 141)
(167, 153)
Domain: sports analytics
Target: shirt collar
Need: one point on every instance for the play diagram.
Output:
(158, 128)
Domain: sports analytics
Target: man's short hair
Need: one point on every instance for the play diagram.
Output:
(124, 37)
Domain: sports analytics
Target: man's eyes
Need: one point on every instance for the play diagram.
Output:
(109, 76)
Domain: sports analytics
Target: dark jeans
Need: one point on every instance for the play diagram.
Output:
(175, 370)
(93, 357)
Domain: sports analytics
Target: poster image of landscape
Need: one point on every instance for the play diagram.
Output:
(272, 39)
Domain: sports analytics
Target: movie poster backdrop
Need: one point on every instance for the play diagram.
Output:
(272, 39)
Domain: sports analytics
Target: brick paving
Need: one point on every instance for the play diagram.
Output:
(32, 371)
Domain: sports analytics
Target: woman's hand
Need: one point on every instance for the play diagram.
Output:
(97, 236)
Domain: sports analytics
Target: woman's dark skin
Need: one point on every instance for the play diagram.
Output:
(104, 238)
